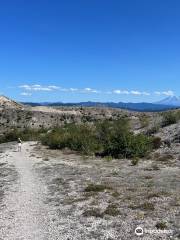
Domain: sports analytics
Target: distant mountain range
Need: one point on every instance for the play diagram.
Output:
(165, 104)
(170, 101)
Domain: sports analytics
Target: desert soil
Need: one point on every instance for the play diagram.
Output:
(44, 196)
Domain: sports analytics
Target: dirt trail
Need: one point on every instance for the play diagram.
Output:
(38, 198)
(23, 214)
(43, 196)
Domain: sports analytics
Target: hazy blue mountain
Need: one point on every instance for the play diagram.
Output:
(170, 101)
(129, 106)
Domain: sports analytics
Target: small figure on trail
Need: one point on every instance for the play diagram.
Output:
(19, 145)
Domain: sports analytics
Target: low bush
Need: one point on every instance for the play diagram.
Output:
(135, 161)
(170, 118)
(96, 188)
(112, 210)
(152, 130)
(25, 135)
(94, 212)
(144, 121)
(106, 138)
(161, 225)
(156, 141)
(147, 206)
(165, 158)
(79, 138)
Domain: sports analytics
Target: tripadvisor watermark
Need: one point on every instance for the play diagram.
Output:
(139, 231)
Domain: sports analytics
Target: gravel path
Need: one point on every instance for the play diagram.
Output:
(23, 214)
(43, 197)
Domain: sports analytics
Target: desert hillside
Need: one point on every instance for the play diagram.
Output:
(101, 177)
(6, 102)
(15, 115)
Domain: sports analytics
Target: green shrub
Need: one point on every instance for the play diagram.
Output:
(165, 158)
(94, 212)
(79, 138)
(161, 225)
(106, 138)
(178, 115)
(169, 118)
(82, 138)
(156, 141)
(56, 139)
(144, 121)
(112, 210)
(147, 206)
(96, 188)
(135, 161)
(118, 141)
(154, 129)
(26, 135)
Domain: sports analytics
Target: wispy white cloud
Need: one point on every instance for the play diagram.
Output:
(165, 93)
(90, 90)
(54, 87)
(157, 93)
(64, 89)
(42, 89)
(26, 94)
(169, 93)
(37, 87)
(132, 92)
(146, 93)
(26, 87)
(51, 88)
(117, 91)
(73, 89)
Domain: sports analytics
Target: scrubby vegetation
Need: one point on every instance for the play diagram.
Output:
(135, 161)
(106, 138)
(111, 210)
(96, 188)
(81, 138)
(144, 121)
(161, 225)
(156, 142)
(154, 129)
(26, 135)
(170, 118)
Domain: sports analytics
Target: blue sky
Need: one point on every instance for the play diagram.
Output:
(98, 50)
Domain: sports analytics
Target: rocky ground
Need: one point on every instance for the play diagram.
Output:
(49, 194)
(17, 116)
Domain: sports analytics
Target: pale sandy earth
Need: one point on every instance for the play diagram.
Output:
(23, 212)
(42, 196)
(54, 110)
